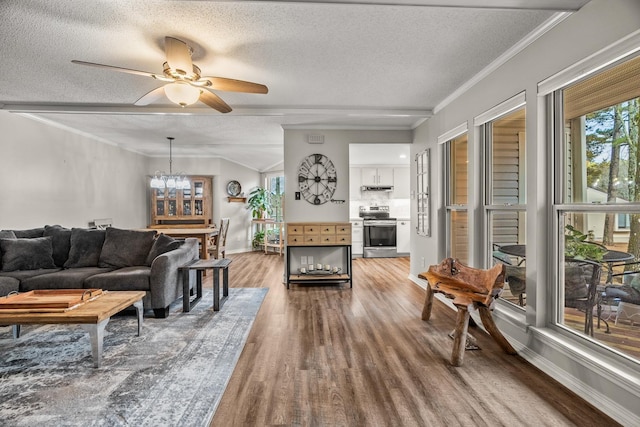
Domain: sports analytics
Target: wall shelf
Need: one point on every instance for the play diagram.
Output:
(237, 199)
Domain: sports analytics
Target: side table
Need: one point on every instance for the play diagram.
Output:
(201, 266)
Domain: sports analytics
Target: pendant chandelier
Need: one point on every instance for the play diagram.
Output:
(178, 181)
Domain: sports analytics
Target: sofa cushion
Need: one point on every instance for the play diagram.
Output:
(21, 275)
(30, 233)
(61, 242)
(7, 285)
(73, 278)
(575, 285)
(123, 279)
(125, 248)
(26, 254)
(7, 234)
(86, 245)
(161, 245)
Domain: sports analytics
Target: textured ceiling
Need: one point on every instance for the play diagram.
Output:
(327, 65)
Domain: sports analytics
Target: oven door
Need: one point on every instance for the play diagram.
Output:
(379, 239)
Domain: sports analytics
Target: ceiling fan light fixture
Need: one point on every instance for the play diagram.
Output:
(182, 94)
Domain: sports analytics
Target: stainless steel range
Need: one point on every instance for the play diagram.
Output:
(379, 232)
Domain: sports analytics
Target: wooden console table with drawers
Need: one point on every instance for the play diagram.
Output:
(328, 243)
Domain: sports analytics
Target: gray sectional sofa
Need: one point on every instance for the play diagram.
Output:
(54, 257)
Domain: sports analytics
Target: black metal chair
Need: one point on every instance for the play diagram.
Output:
(514, 274)
(581, 283)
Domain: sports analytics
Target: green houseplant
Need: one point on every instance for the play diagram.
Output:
(259, 202)
(577, 246)
(258, 239)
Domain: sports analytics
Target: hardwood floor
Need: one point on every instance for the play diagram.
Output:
(334, 356)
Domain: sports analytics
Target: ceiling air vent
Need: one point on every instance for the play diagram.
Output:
(315, 139)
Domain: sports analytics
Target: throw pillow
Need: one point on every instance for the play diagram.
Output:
(30, 233)
(516, 277)
(86, 245)
(27, 254)
(162, 244)
(575, 285)
(61, 242)
(7, 234)
(502, 257)
(635, 282)
(126, 248)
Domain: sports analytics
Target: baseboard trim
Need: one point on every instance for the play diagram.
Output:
(581, 358)
(554, 350)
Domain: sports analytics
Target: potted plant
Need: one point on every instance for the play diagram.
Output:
(577, 246)
(259, 202)
(258, 239)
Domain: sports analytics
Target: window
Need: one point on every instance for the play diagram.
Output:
(456, 198)
(623, 222)
(275, 185)
(505, 195)
(597, 205)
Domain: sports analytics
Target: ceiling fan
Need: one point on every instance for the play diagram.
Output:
(185, 83)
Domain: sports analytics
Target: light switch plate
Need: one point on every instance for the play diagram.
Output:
(303, 260)
(310, 259)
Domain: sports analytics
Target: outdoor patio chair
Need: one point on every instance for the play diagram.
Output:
(581, 282)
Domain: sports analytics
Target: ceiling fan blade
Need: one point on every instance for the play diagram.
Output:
(178, 55)
(122, 70)
(214, 101)
(231, 85)
(151, 97)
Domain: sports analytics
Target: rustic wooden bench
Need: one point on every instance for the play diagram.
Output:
(467, 287)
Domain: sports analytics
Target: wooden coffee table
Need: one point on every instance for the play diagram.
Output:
(92, 315)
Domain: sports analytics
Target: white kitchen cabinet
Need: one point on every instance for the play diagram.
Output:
(377, 176)
(403, 236)
(357, 237)
(401, 183)
(355, 182)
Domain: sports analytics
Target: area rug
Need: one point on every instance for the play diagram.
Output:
(172, 375)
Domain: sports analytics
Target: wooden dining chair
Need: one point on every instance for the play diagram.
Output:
(217, 250)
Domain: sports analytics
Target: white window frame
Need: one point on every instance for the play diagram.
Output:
(484, 122)
(550, 95)
(445, 140)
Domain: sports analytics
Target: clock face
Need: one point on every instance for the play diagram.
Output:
(317, 179)
(233, 188)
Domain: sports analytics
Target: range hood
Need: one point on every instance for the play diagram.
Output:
(376, 188)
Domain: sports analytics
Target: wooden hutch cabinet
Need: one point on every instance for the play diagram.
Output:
(190, 207)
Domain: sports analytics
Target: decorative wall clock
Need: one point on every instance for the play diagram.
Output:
(234, 188)
(317, 179)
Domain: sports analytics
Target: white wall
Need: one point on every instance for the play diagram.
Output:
(57, 176)
(222, 171)
(610, 383)
(336, 148)
(53, 176)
